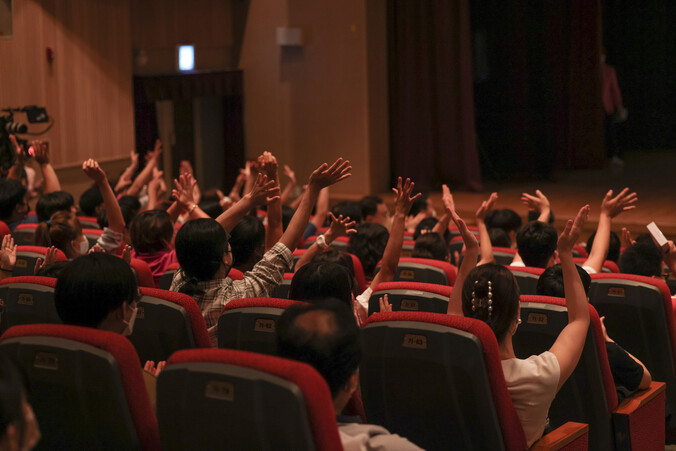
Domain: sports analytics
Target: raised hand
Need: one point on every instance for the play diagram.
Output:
(613, 206)
(290, 174)
(402, 196)
(264, 190)
(326, 175)
(268, 165)
(156, 152)
(184, 190)
(126, 254)
(625, 238)
(94, 171)
(18, 149)
(185, 168)
(471, 243)
(157, 184)
(8, 253)
(153, 369)
(41, 152)
(385, 305)
(50, 257)
(538, 203)
(486, 206)
(572, 231)
(339, 227)
(447, 199)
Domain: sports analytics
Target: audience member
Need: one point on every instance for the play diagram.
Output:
(373, 209)
(431, 245)
(368, 244)
(63, 231)
(326, 336)
(505, 219)
(13, 203)
(19, 428)
(247, 243)
(536, 243)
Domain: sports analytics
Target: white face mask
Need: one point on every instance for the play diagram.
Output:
(130, 324)
(83, 246)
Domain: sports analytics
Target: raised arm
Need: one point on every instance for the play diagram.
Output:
(125, 179)
(538, 203)
(468, 263)
(147, 173)
(7, 256)
(322, 209)
(449, 206)
(16, 170)
(156, 189)
(48, 174)
(184, 193)
(322, 177)
(235, 192)
(288, 172)
(263, 191)
(484, 238)
(402, 205)
(339, 227)
(113, 211)
(568, 346)
(268, 164)
(610, 207)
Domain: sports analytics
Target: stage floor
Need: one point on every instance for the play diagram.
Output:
(652, 174)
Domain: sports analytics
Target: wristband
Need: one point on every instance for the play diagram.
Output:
(190, 210)
(321, 242)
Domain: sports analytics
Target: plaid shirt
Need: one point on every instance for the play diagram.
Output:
(258, 282)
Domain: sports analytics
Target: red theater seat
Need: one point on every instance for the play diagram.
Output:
(26, 256)
(28, 300)
(411, 296)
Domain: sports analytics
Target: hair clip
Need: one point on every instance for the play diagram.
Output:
(474, 297)
(490, 299)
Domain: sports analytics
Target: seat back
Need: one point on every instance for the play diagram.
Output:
(167, 321)
(579, 251)
(88, 222)
(26, 257)
(27, 300)
(92, 235)
(608, 265)
(588, 396)
(425, 270)
(503, 255)
(250, 324)
(24, 234)
(639, 315)
(86, 387)
(281, 291)
(358, 273)
(4, 229)
(407, 248)
(411, 297)
(144, 275)
(527, 278)
(218, 398)
(437, 380)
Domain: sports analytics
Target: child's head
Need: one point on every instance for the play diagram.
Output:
(431, 245)
(63, 231)
(373, 209)
(642, 259)
(505, 219)
(550, 282)
(422, 204)
(247, 243)
(499, 238)
(536, 242)
(151, 232)
(92, 290)
(13, 204)
(491, 294)
(202, 249)
(50, 203)
(348, 208)
(368, 244)
(91, 201)
(613, 246)
(318, 280)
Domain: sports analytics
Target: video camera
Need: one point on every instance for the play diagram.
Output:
(8, 127)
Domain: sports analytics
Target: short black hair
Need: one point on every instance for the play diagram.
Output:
(50, 203)
(89, 200)
(642, 259)
(324, 335)
(533, 215)
(12, 193)
(348, 208)
(550, 282)
(200, 246)
(418, 205)
(613, 246)
(91, 286)
(369, 205)
(426, 225)
(245, 238)
(431, 245)
(129, 205)
(211, 207)
(287, 214)
(536, 242)
(499, 238)
(151, 231)
(368, 244)
(320, 280)
(505, 219)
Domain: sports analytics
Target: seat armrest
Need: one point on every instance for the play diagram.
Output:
(566, 437)
(639, 419)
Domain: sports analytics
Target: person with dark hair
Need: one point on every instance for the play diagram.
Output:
(91, 201)
(505, 219)
(320, 280)
(629, 373)
(151, 233)
(491, 294)
(50, 203)
(368, 244)
(326, 336)
(536, 243)
(499, 238)
(422, 208)
(614, 246)
(247, 243)
(431, 245)
(64, 232)
(205, 258)
(425, 226)
(19, 428)
(373, 209)
(13, 203)
(212, 208)
(642, 259)
(348, 209)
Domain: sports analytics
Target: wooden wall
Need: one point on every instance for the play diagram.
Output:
(87, 89)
